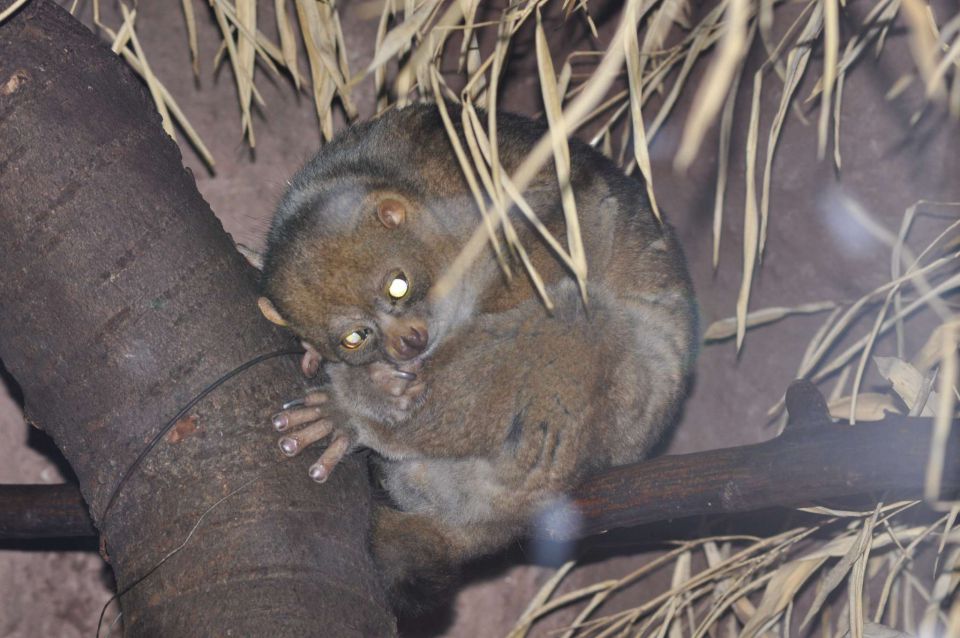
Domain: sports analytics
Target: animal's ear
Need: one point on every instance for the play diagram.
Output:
(270, 312)
(391, 212)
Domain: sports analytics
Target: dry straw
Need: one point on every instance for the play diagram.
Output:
(747, 585)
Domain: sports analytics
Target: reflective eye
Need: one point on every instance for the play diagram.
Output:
(353, 339)
(398, 287)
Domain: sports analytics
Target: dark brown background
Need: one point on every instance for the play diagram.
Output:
(813, 253)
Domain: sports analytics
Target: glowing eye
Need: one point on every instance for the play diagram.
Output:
(398, 287)
(353, 339)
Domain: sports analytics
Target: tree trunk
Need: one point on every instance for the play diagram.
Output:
(121, 298)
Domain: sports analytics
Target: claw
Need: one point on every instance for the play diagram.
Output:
(296, 403)
(320, 471)
(403, 374)
(280, 421)
(289, 446)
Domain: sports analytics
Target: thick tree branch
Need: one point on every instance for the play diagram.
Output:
(121, 298)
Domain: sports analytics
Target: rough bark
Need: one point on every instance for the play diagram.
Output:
(121, 298)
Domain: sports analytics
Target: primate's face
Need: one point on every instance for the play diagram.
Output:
(357, 293)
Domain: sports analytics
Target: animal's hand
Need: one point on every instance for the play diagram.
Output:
(401, 384)
(304, 422)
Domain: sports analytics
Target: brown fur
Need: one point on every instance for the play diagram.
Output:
(512, 405)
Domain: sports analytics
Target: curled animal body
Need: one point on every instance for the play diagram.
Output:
(481, 404)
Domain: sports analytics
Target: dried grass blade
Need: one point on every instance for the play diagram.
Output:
(943, 420)
(703, 37)
(481, 152)
(797, 61)
(173, 107)
(855, 586)
(380, 73)
(949, 59)
(246, 11)
(738, 600)
(528, 212)
(871, 406)
(542, 596)
(323, 86)
(743, 608)
(896, 259)
(839, 572)
(831, 50)
(867, 349)
(568, 598)
(239, 75)
(923, 45)
(842, 359)
(908, 383)
(267, 50)
(634, 71)
(837, 102)
(672, 621)
(288, 41)
(750, 220)
(13, 8)
(419, 59)
(489, 224)
(478, 90)
(499, 57)
(899, 86)
(727, 328)
(860, 214)
(595, 88)
(781, 589)
(561, 152)
(947, 527)
(659, 26)
(148, 76)
(853, 311)
(901, 560)
(469, 37)
(178, 114)
(122, 36)
(726, 128)
(715, 86)
(585, 613)
(191, 20)
(400, 37)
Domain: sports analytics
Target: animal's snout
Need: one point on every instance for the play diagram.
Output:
(415, 339)
(408, 340)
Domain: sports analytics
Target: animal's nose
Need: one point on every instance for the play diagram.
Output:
(412, 343)
(406, 338)
(415, 339)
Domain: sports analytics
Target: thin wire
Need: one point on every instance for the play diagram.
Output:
(173, 421)
(169, 554)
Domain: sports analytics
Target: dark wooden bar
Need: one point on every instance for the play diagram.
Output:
(804, 465)
(43, 511)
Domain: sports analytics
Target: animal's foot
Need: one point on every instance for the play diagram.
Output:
(304, 422)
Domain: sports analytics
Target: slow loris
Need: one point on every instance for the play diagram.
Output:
(482, 405)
